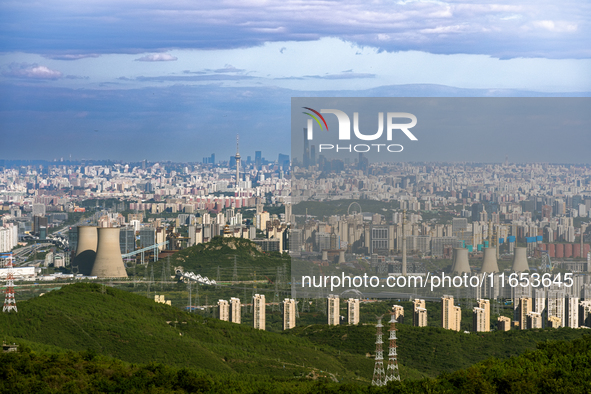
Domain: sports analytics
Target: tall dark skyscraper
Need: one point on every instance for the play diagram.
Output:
(313, 155)
(258, 159)
(306, 149)
(283, 161)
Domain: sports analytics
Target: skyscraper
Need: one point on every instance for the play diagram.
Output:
(259, 311)
(289, 313)
(534, 320)
(352, 311)
(258, 159)
(419, 317)
(485, 305)
(451, 315)
(306, 149)
(398, 312)
(503, 323)
(223, 310)
(525, 307)
(333, 310)
(283, 161)
(235, 310)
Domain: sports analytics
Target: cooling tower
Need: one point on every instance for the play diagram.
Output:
(489, 263)
(460, 261)
(324, 255)
(108, 262)
(520, 260)
(341, 256)
(86, 250)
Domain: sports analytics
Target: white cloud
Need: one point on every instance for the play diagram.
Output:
(70, 56)
(556, 26)
(499, 28)
(157, 57)
(31, 71)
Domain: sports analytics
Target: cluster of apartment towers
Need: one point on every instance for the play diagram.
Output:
(562, 309)
(230, 311)
(451, 315)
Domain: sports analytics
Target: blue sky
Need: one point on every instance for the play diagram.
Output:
(177, 80)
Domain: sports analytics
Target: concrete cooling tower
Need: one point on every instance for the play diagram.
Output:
(108, 262)
(489, 263)
(86, 250)
(520, 260)
(460, 261)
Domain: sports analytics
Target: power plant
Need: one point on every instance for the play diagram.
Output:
(86, 249)
(489, 261)
(460, 261)
(98, 252)
(520, 260)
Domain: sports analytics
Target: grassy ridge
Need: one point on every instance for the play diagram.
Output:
(204, 259)
(432, 350)
(134, 329)
(556, 367)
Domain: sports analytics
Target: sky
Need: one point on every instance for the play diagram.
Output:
(177, 80)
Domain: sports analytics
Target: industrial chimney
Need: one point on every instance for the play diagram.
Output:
(460, 261)
(108, 262)
(86, 249)
(489, 263)
(520, 260)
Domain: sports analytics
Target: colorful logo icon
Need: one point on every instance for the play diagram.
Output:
(315, 118)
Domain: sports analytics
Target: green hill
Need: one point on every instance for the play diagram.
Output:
(432, 350)
(204, 259)
(135, 329)
(556, 367)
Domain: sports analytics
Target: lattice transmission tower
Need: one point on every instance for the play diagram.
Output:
(379, 375)
(392, 372)
(9, 302)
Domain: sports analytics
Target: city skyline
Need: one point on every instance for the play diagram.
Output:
(131, 81)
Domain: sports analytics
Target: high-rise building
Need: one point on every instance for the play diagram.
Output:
(585, 313)
(451, 315)
(479, 323)
(534, 320)
(283, 161)
(485, 304)
(259, 311)
(503, 323)
(306, 161)
(525, 307)
(223, 310)
(398, 312)
(333, 312)
(554, 322)
(572, 312)
(352, 311)
(235, 309)
(289, 313)
(258, 159)
(555, 305)
(419, 318)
